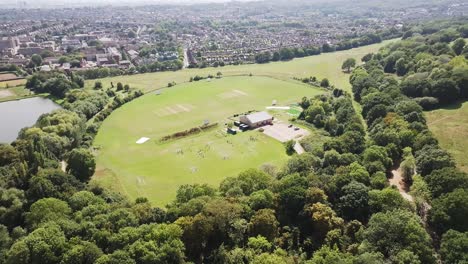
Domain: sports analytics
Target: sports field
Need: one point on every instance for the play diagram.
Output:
(450, 126)
(155, 170)
(327, 65)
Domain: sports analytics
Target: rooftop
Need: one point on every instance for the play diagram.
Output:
(258, 117)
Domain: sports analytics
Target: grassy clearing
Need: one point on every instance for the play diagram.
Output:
(450, 126)
(7, 94)
(155, 170)
(12, 83)
(327, 65)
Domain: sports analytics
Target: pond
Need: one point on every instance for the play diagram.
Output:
(15, 115)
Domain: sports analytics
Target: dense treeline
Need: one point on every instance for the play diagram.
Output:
(433, 67)
(397, 125)
(291, 53)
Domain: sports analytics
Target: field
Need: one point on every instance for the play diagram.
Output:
(13, 93)
(450, 126)
(12, 83)
(327, 65)
(155, 169)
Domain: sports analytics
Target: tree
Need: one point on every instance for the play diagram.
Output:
(446, 180)
(264, 223)
(261, 199)
(98, 85)
(367, 57)
(449, 211)
(323, 219)
(348, 64)
(289, 145)
(325, 83)
(458, 46)
(353, 203)
(394, 231)
(79, 81)
(119, 86)
(432, 158)
(36, 59)
(259, 244)
(12, 201)
(82, 252)
(445, 90)
(46, 244)
(81, 164)
(454, 247)
(47, 209)
(263, 57)
(117, 257)
(286, 54)
(52, 183)
(386, 200)
(326, 255)
(401, 67)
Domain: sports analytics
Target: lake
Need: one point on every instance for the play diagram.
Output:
(15, 115)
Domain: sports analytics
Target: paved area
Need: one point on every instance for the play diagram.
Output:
(280, 131)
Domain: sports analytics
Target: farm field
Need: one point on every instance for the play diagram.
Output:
(327, 65)
(155, 170)
(450, 127)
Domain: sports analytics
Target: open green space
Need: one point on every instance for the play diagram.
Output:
(326, 65)
(155, 170)
(13, 93)
(450, 126)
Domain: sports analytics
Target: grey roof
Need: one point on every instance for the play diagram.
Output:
(258, 117)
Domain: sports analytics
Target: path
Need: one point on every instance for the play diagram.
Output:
(186, 61)
(63, 166)
(397, 180)
(298, 148)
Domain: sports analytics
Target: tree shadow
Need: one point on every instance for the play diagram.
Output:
(452, 106)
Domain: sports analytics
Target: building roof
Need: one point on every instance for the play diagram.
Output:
(258, 117)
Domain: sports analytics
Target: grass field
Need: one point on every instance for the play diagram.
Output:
(450, 126)
(12, 83)
(327, 65)
(13, 93)
(155, 170)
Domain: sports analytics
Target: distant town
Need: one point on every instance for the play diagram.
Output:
(171, 37)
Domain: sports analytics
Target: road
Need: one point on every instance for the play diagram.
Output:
(186, 61)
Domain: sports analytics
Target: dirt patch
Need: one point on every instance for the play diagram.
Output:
(397, 180)
(6, 93)
(232, 94)
(173, 110)
(7, 77)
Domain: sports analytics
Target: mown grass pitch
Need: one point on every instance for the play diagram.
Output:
(450, 126)
(327, 65)
(155, 170)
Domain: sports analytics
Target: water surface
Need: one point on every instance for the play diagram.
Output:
(14, 115)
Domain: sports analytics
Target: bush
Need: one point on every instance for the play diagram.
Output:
(289, 145)
(427, 103)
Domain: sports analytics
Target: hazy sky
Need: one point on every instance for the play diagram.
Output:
(65, 3)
